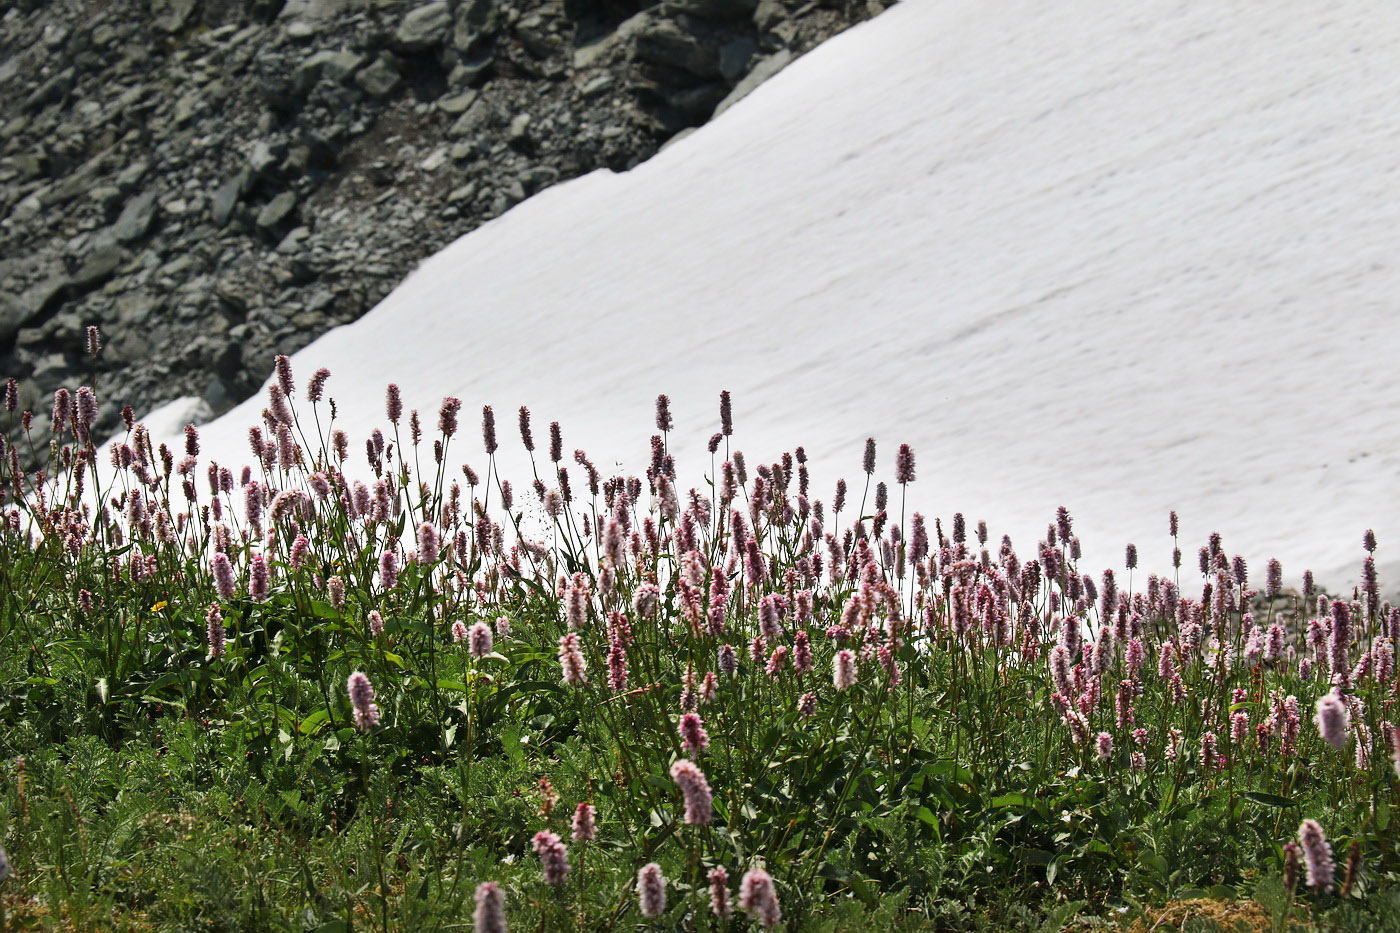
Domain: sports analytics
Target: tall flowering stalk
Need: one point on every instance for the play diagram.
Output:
(554, 857)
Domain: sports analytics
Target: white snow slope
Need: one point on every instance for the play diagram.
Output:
(1125, 257)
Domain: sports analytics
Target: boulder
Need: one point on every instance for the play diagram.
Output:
(172, 15)
(276, 212)
(379, 79)
(765, 69)
(136, 218)
(99, 266)
(424, 28)
(226, 197)
(665, 42)
(328, 65)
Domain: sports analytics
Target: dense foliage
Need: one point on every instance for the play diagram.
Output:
(330, 690)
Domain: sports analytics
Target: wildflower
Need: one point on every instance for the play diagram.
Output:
(388, 570)
(215, 625)
(428, 544)
(693, 735)
(259, 582)
(87, 407)
(554, 857)
(571, 660)
(1105, 746)
(651, 890)
(479, 639)
(695, 790)
(376, 623)
(223, 575)
(617, 666)
(317, 386)
(503, 627)
(807, 705)
(1239, 726)
(362, 699)
(1292, 857)
(719, 893)
(585, 823)
(277, 405)
(1210, 759)
(300, 548)
(459, 632)
(1332, 720)
(335, 592)
(490, 914)
(664, 421)
(758, 899)
(776, 661)
(904, 465)
(843, 674)
(726, 415)
(488, 429)
(1060, 670)
(576, 601)
(393, 403)
(549, 797)
(728, 659)
(868, 465)
(1317, 854)
(801, 652)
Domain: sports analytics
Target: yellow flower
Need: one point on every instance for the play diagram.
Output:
(159, 606)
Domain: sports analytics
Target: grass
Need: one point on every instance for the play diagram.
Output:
(905, 727)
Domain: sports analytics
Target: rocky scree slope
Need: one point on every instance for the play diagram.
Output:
(214, 182)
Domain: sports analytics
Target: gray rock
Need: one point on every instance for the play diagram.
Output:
(665, 42)
(698, 102)
(97, 268)
(188, 107)
(226, 198)
(424, 28)
(131, 176)
(379, 79)
(768, 14)
(761, 72)
(473, 21)
(136, 218)
(519, 130)
(265, 156)
(172, 15)
(476, 117)
(328, 65)
(219, 396)
(276, 211)
(596, 85)
(537, 179)
(12, 318)
(536, 35)
(54, 89)
(734, 57)
(470, 69)
(716, 9)
(455, 105)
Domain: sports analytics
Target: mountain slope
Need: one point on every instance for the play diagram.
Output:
(1127, 264)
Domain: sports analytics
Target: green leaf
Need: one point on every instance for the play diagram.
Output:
(313, 723)
(1013, 800)
(1268, 800)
